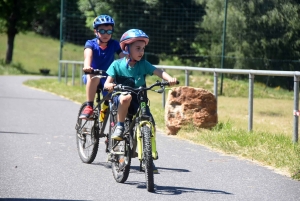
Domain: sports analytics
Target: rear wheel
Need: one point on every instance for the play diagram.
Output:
(121, 161)
(87, 137)
(147, 158)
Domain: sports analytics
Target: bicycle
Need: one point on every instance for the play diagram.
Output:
(89, 131)
(139, 134)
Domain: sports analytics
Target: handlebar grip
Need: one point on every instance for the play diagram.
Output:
(95, 72)
(92, 72)
(177, 82)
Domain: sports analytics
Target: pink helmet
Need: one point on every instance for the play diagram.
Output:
(131, 36)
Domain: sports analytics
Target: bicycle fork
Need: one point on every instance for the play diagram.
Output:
(140, 143)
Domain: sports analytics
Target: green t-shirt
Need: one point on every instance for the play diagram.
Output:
(130, 76)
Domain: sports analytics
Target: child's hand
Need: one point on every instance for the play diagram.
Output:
(109, 86)
(172, 81)
(87, 69)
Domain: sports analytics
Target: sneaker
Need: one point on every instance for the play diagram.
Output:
(118, 134)
(86, 113)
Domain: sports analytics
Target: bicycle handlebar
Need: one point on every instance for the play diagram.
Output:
(96, 72)
(120, 87)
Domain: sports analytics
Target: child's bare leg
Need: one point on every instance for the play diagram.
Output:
(122, 112)
(123, 107)
(91, 88)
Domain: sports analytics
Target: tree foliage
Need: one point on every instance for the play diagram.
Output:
(260, 34)
(263, 30)
(22, 15)
(169, 24)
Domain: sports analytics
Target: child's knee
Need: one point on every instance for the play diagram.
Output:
(125, 99)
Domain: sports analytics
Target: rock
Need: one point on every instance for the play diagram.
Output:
(190, 105)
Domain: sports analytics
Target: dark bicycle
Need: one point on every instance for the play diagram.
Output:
(89, 131)
(139, 135)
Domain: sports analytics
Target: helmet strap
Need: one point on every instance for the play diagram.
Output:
(129, 57)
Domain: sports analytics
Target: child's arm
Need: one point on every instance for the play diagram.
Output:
(165, 76)
(88, 57)
(109, 85)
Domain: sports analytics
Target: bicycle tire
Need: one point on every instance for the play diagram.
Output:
(87, 137)
(147, 157)
(120, 155)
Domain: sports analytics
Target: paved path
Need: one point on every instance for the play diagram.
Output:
(39, 160)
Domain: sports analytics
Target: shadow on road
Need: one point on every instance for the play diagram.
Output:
(135, 169)
(177, 190)
(35, 199)
(9, 132)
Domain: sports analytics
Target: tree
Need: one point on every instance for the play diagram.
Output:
(22, 15)
(260, 34)
(169, 24)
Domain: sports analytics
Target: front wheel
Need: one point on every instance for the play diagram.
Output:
(87, 137)
(147, 158)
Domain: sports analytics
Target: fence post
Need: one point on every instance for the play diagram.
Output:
(186, 78)
(66, 73)
(80, 78)
(250, 110)
(163, 96)
(216, 88)
(59, 72)
(296, 107)
(73, 74)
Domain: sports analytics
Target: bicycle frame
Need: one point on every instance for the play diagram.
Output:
(145, 120)
(139, 120)
(139, 136)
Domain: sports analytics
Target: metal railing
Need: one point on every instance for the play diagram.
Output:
(216, 72)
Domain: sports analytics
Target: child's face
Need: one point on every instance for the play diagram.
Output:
(104, 37)
(137, 50)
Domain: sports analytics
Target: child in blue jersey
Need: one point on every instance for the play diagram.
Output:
(98, 54)
(131, 71)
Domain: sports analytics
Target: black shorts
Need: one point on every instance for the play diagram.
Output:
(134, 105)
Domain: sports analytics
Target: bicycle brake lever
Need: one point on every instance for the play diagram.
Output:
(161, 90)
(98, 76)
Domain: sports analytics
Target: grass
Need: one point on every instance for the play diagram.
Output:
(269, 144)
(33, 52)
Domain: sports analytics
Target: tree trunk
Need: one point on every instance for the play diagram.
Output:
(10, 48)
(12, 31)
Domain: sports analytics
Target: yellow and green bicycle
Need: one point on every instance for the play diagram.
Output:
(139, 136)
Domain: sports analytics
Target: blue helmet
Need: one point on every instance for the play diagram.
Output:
(131, 36)
(103, 19)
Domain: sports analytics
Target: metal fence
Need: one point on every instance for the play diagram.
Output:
(64, 65)
(258, 34)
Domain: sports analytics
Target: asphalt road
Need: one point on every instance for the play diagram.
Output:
(39, 160)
